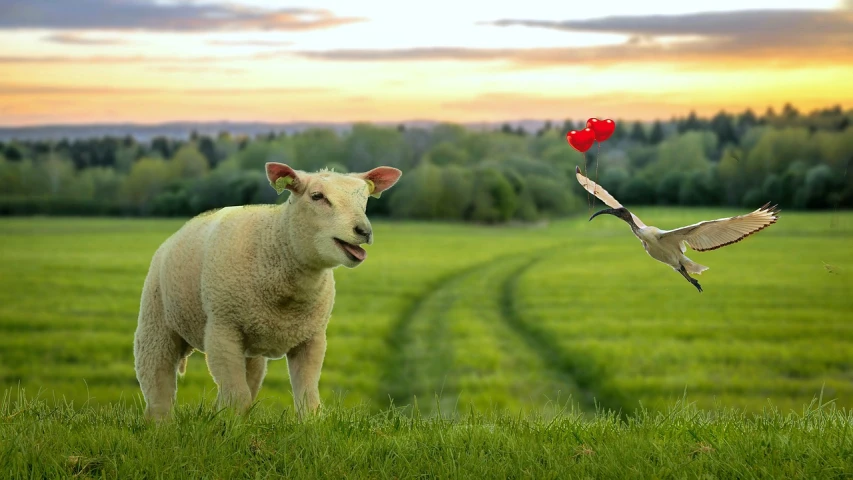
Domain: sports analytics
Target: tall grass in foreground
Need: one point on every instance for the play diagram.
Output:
(39, 439)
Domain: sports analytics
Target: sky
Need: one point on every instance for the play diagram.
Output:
(150, 61)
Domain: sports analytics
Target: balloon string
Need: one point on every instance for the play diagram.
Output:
(586, 172)
(597, 161)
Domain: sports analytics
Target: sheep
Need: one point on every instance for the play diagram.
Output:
(249, 283)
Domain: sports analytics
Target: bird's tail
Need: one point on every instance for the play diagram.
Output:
(693, 267)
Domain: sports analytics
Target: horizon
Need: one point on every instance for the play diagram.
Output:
(410, 121)
(98, 62)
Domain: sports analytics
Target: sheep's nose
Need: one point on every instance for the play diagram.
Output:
(365, 232)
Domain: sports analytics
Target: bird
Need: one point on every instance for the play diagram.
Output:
(668, 246)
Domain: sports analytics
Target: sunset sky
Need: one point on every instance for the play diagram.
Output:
(147, 61)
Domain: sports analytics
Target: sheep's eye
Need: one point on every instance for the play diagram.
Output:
(317, 196)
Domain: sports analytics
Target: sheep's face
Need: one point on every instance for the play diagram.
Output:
(336, 205)
(331, 210)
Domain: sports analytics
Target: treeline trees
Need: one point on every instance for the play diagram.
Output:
(798, 160)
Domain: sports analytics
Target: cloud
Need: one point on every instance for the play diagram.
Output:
(249, 43)
(150, 16)
(412, 54)
(197, 69)
(19, 89)
(746, 29)
(740, 24)
(140, 59)
(75, 39)
(791, 34)
(776, 37)
(108, 59)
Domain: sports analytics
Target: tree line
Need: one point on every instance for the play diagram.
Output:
(797, 160)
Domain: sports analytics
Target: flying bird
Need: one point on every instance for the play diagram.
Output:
(668, 246)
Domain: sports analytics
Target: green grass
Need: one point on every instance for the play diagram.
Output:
(490, 317)
(493, 328)
(40, 439)
(773, 324)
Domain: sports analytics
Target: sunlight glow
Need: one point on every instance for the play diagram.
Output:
(107, 75)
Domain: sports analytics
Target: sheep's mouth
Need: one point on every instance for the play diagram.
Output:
(353, 252)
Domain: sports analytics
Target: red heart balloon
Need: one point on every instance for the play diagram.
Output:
(581, 140)
(603, 128)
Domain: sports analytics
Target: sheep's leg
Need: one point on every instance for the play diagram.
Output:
(304, 363)
(157, 353)
(227, 365)
(256, 369)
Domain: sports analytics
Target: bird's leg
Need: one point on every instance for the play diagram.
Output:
(690, 279)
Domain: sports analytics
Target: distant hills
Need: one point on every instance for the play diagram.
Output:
(183, 130)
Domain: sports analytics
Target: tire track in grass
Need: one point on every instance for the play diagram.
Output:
(402, 370)
(493, 367)
(582, 374)
(423, 362)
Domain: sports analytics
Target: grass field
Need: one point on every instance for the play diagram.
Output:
(39, 440)
(486, 317)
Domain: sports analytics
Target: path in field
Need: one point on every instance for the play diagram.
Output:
(463, 341)
(546, 344)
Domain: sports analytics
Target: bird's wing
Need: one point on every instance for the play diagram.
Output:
(603, 194)
(714, 234)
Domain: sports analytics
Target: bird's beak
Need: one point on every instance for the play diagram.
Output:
(606, 210)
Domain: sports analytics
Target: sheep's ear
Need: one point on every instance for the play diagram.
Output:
(283, 177)
(380, 179)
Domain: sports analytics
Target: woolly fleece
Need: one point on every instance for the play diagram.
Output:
(251, 283)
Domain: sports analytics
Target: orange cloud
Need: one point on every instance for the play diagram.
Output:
(197, 69)
(76, 39)
(10, 90)
(120, 59)
(248, 43)
(109, 59)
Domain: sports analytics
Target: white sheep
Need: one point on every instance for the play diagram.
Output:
(251, 283)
